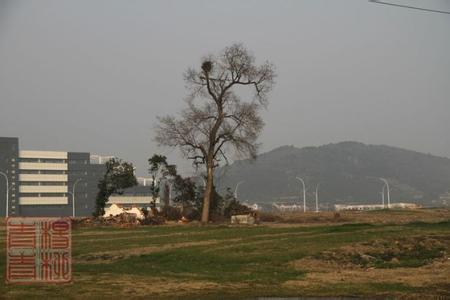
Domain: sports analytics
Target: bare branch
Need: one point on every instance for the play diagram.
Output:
(216, 121)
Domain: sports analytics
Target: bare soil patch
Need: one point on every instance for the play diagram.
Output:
(382, 253)
(380, 262)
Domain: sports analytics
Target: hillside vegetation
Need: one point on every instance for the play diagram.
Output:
(348, 172)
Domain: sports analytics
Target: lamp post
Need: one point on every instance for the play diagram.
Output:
(73, 196)
(382, 194)
(204, 182)
(73, 199)
(304, 193)
(317, 197)
(7, 192)
(236, 189)
(388, 192)
(170, 184)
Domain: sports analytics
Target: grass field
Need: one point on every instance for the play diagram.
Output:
(397, 258)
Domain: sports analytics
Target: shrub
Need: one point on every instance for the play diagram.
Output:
(171, 213)
(145, 212)
(236, 208)
(191, 213)
(155, 220)
(269, 217)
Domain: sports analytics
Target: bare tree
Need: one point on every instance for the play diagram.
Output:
(216, 120)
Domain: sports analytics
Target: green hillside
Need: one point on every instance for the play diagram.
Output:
(348, 172)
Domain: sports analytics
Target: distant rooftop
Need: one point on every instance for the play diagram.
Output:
(100, 159)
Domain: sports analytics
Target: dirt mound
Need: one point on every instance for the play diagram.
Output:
(406, 252)
(122, 220)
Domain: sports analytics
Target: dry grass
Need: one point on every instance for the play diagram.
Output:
(351, 264)
(114, 255)
(314, 255)
(399, 216)
(322, 274)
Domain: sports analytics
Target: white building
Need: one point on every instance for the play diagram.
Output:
(341, 207)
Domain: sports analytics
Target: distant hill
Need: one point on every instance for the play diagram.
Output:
(348, 172)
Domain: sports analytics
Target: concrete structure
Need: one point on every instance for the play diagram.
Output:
(243, 219)
(47, 183)
(341, 207)
(9, 166)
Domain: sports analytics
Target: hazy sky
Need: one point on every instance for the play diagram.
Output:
(88, 75)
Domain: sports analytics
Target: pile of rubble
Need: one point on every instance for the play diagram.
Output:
(122, 217)
(115, 210)
(122, 220)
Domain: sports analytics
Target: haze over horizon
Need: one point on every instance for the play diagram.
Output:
(93, 75)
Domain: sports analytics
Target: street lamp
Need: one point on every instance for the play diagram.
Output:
(304, 193)
(236, 189)
(317, 197)
(388, 192)
(73, 196)
(7, 192)
(170, 185)
(382, 194)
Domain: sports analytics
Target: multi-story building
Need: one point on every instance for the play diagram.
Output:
(46, 183)
(9, 175)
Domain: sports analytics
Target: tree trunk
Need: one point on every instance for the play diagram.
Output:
(166, 195)
(208, 193)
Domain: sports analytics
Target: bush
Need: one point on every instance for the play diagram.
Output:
(191, 213)
(218, 218)
(235, 208)
(156, 220)
(145, 212)
(171, 213)
(269, 217)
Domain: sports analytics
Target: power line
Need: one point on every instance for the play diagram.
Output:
(411, 7)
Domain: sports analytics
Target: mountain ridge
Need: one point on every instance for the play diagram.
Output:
(348, 172)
